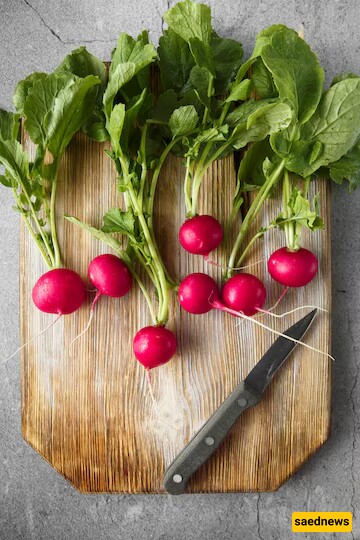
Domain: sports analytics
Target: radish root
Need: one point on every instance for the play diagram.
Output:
(219, 265)
(83, 332)
(222, 307)
(32, 339)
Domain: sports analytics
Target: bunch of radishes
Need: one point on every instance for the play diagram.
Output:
(206, 110)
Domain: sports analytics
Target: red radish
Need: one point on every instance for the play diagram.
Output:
(200, 235)
(244, 293)
(199, 293)
(293, 268)
(154, 346)
(60, 291)
(110, 276)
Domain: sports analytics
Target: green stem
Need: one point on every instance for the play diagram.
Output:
(36, 220)
(150, 205)
(57, 262)
(159, 273)
(35, 237)
(252, 213)
(209, 93)
(139, 281)
(143, 165)
(201, 169)
(289, 227)
(187, 183)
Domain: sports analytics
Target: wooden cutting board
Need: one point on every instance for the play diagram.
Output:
(88, 411)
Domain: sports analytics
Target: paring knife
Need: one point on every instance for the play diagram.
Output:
(247, 394)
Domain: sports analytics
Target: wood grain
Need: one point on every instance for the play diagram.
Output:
(87, 410)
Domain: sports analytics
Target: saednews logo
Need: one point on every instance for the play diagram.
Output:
(321, 522)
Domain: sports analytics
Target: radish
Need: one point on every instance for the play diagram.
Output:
(200, 235)
(60, 291)
(244, 293)
(111, 277)
(198, 293)
(154, 346)
(293, 268)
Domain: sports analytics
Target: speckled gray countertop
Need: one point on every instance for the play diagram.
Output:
(35, 501)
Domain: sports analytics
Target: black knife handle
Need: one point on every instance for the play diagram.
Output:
(208, 438)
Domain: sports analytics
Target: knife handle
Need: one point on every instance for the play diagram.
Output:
(208, 438)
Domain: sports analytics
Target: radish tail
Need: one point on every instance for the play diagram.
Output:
(155, 407)
(279, 299)
(219, 265)
(280, 316)
(222, 307)
(32, 339)
(83, 332)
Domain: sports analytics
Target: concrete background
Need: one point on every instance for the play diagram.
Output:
(35, 501)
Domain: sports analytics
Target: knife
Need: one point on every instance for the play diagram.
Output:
(247, 394)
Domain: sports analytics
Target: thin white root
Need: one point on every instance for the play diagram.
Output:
(232, 312)
(161, 418)
(97, 296)
(280, 316)
(32, 339)
(279, 299)
(85, 329)
(209, 261)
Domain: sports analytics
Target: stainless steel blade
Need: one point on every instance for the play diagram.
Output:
(261, 375)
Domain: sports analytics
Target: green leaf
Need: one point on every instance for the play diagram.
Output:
(241, 114)
(23, 87)
(262, 39)
(301, 211)
(117, 221)
(15, 161)
(335, 126)
(40, 101)
(343, 76)
(115, 126)
(227, 56)
(241, 91)
(190, 20)
(128, 50)
(200, 79)
(9, 125)
(122, 75)
(72, 106)
(82, 63)
(6, 181)
(131, 116)
(183, 120)
(263, 121)
(164, 106)
(202, 54)
(94, 126)
(263, 81)
(251, 170)
(212, 135)
(347, 168)
(176, 61)
(296, 71)
(108, 239)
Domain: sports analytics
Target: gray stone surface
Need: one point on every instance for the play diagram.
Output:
(36, 502)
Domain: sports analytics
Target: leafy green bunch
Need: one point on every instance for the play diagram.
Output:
(202, 77)
(54, 107)
(321, 139)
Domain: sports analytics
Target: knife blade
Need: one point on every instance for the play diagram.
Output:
(247, 394)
